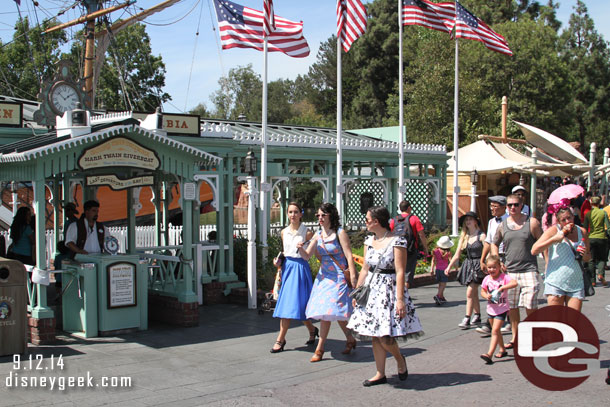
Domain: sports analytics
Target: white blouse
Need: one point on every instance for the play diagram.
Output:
(290, 241)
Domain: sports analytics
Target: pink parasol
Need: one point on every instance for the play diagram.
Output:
(568, 191)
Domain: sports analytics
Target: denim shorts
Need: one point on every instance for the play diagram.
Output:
(501, 316)
(441, 277)
(552, 290)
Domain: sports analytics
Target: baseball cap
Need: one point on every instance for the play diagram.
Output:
(519, 188)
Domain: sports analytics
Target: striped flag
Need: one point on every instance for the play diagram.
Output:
(438, 16)
(469, 26)
(242, 27)
(351, 21)
(269, 17)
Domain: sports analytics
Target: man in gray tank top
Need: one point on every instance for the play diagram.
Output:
(519, 232)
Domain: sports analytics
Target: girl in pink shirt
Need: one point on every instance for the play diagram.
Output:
(494, 289)
(440, 260)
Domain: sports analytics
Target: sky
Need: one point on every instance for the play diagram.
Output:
(187, 55)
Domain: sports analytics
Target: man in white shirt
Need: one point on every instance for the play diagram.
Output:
(86, 235)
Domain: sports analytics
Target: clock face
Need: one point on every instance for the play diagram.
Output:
(63, 97)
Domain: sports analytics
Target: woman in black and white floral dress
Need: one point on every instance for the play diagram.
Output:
(389, 315)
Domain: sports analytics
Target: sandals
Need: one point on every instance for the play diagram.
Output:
(280, 349)
(509, 345)
(487, 359)
(349, 345)
(317, 356)
(313, 335)
(501, 355)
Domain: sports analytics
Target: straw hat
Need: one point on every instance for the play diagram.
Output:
(444, 242)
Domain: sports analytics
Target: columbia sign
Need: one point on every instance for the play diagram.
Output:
(557, 348)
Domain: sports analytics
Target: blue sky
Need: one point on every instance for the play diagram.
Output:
(173, 35)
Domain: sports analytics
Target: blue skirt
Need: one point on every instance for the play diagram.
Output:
(295, 289)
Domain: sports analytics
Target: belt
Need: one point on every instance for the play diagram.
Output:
(386, 271)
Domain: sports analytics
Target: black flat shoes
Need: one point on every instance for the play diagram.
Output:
(369, 383)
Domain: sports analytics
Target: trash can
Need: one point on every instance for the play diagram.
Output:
(13, 307)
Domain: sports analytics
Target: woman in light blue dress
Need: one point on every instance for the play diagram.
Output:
(329, 300)
(563, 282)
(296, 279)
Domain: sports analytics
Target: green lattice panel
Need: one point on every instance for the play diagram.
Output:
(354, 216)
(420, 194)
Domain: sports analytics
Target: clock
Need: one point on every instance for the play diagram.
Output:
(59, 94)
(63, 97)
(111, 245)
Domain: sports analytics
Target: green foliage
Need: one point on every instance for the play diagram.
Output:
(558, 82)
(25, 60)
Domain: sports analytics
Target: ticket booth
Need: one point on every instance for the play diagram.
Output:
(107, 293)
(104, 295)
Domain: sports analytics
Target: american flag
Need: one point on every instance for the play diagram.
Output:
(242, 27)
(469, 26)
(351, 21)
(438, 16)
(269, 17)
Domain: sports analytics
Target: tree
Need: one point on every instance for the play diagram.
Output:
(25, 61)
(131, 77)
(202, 110)
(240, 93)
(586, 53)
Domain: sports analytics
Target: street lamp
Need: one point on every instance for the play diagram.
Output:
(474, 180)
(250, 165)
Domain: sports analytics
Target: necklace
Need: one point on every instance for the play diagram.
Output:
(384, 236)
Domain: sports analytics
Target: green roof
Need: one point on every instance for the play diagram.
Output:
(384, 133)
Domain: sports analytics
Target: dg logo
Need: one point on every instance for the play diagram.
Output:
(557, 348)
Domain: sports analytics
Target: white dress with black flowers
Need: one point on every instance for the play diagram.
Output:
(378, 318)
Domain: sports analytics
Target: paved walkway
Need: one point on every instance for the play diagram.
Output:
(226, 362)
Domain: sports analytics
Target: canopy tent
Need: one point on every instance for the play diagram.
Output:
(482, 157)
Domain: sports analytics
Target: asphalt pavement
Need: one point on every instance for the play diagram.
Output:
(225, 361)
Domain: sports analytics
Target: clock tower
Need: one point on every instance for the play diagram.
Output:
(60, 94)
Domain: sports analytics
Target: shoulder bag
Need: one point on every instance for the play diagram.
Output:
(361, 293)
(345, 270)
(588, 286)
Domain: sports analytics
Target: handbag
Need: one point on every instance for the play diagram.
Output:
(277, 284)
(361, 294)
(587, 283)
(345, 270)
(39, 276)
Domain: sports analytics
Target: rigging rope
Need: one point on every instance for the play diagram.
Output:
(188, 86)
(213, 24)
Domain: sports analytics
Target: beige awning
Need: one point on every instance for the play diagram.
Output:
(482, 157)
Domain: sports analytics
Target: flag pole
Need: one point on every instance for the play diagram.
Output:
(456, 188)
(339, 164)
(401, 135)
(263, 187)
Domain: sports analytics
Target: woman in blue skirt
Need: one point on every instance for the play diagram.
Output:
(296, 279)
(329, 299)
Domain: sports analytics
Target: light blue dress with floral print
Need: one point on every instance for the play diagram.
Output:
(329, 300)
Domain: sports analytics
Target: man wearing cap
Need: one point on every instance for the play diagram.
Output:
(596, 222)
(519, 232)
(521, 192)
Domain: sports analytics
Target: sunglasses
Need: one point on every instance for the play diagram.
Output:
(510, 205)
(321, 215)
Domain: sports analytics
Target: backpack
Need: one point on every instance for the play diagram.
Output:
(402, 227)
